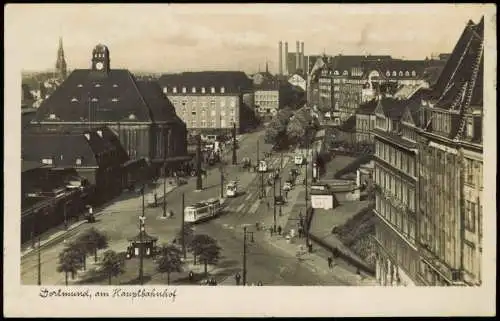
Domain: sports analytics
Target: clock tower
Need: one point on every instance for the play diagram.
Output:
(100, 58)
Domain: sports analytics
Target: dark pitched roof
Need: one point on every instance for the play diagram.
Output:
(393, 108)
(349, 125)
(111, 96)
(161, 108)
(404, 68)
(431, 74)
(30, 165)
(27, 116)
(232, 81)
(367, 108)
(268, 85)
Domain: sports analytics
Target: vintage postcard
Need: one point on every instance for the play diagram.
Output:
(249, 160)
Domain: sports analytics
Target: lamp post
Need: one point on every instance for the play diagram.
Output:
(165, 175)
(141, 232)
(183, 238)
(234, 143)
(199, 185)
(280, 175)
(245, 233)
(221, 181)
(306, 227)
(274, 205)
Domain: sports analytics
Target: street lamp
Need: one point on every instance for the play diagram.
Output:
(281, 174)
(234, 143)
(245, 233)
(141, 232)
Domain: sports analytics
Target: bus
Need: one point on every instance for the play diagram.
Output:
(202, 211)
(232, 189)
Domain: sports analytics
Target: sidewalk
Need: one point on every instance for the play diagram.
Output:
(51, 237)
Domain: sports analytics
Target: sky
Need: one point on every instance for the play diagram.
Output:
(184, 37)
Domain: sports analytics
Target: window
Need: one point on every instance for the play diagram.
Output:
(336, 73)
(407, 73)
(470, 127)
(400, 74)
(193, 90)
(74, 99)
(193, 113)
(212, 113)
(222, 102)
(97, 85)
(388, 73)
(222, 90)
(116, 86)
(78, 161)
(95, 99)
(79, 85)
(212, 90)
(394, 73)
(233, 102)
(184, 90)
(47, 161)
(114, 100)
(470, 216)
(413, 73)
(52, 116)
(131, 116)
(202, 90)
(468, 257)
(165, 90)
(174, 90)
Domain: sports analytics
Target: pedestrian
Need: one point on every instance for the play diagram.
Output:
(279, 230)
(268, 205)
(213, 281)
(257, 226)
(174, 241)
(191, 276)
(237, 277)
(330, 262)
(300, 232)
(271, 231)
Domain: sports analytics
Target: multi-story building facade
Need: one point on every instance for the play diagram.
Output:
(365, 122)
(210, 101)
(268, 98)
(451, 167)
(395, 174)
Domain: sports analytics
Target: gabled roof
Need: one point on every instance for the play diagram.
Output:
(109, 97)
(161, 108)
(392, 108)
(367, 108)
(232, 81)
(349, 125)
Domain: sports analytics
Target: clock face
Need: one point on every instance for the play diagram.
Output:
(99, 65)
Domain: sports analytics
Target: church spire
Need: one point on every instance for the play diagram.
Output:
(61, 61)
(267, 67)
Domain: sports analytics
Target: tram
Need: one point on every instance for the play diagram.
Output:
(202, 211)
(232, 189)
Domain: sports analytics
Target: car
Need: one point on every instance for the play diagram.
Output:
(279, 200)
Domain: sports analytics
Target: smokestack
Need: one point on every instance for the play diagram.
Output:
(302, 59)
(280, 58)
(286, 58)
(297, 56)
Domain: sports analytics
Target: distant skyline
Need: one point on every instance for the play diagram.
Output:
(185, 37)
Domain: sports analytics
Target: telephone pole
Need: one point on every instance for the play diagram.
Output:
(306, 221)
(221, 182)
(274, 204)
(245, 232)
(234, 144)
(39, 281)
(165, 177)
(281, 174)
(259, 173)
(199, 185)
(183, 238)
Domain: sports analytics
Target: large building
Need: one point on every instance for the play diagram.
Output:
(210, 101)
(395, 174)
(429, 176)
(269, 98)
(136, 111)
(450, 170)
(365, 122)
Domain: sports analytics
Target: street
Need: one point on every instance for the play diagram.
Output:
(120, 221)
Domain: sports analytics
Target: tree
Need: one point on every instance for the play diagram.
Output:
(95, 241)
(81, 250)
(295, 130)
(169, 260)
(206, 248)
(69, 262)
(112, 264)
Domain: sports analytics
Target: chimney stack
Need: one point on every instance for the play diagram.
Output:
(302, 57)
(286, 58)
(297, 56)
(280, 59)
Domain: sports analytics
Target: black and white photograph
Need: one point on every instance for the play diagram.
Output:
(273, 149)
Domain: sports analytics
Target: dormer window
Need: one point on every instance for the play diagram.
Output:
(97, 85)
(345, 73)
(52, 116)
(193, 90)
(174, 90)
(407, 73)
(114, 100)
(413, 73)
(95, 99)
(131, 117)
(212, 90)
(78, 161)
(202, 90)
(74, 100)
(222, 90)
(394, 74)
(388, 73)
(400, 74)
(79, 85)
(336, 72)
(47, 161)
(470, 127)
(115, 85)
(184, 90)
(165, 90)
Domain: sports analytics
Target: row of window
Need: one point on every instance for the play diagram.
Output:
(470, 264)
(203, 102)
(97, 85)
(94, 99)
(400, 220)
(403, 255)
(194, 90)
(387, 73)
(403, 191)
(409, 133)
(434, 237)
(203, 113)
(50, 161)
(470, 216)
(205, 124)
(395, 157)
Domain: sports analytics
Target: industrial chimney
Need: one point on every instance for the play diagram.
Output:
(286, 58)
(280, 58)
(302, 57)
(297, 56)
